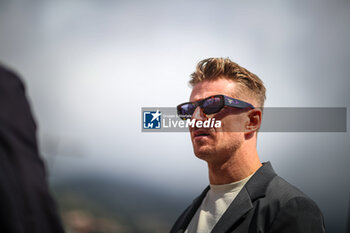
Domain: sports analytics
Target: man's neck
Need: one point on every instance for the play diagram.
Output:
(239, 166)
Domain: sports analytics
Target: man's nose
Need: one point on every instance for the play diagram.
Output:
(198, 114)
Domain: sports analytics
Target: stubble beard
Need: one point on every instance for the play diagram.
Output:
(217, 154)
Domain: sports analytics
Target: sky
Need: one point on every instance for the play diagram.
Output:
(90, 66)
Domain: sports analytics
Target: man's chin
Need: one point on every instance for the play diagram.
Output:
(203, 152)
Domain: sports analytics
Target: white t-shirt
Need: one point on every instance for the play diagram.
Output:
(215, 203)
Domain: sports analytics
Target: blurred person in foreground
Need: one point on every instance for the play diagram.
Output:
(244, 194)
(26, 204)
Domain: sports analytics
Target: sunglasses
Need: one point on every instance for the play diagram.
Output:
(210, 105)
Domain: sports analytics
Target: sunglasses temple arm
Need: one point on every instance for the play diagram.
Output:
(237, 103)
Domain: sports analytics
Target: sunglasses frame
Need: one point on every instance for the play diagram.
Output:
(225, 101)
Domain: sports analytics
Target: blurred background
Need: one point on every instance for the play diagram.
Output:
(90, 65)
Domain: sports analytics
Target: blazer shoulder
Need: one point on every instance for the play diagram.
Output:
(296, 212)
(281, 190)
(281, 194)
(284, 204)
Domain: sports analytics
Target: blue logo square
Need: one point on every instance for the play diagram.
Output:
(152, 119)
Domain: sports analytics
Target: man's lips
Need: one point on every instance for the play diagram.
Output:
(200, 133)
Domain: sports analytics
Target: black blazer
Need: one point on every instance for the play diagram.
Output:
(267, 203)
(26, 205)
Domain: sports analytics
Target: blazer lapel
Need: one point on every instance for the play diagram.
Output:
(240, 206)
(254, 189)
(185, 219)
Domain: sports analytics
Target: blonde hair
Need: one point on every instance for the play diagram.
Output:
(215, 68)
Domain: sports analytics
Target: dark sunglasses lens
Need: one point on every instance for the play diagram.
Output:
(185, 111)
(213, 105)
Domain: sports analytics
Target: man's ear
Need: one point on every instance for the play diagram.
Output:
(254, 120)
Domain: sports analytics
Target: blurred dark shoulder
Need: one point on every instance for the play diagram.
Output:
(16, 112)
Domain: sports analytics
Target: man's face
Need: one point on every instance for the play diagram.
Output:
(218, 144)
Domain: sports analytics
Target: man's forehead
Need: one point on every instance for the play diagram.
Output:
(209, 88)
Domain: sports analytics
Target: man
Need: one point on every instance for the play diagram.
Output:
(244, 195)
(26, 204)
